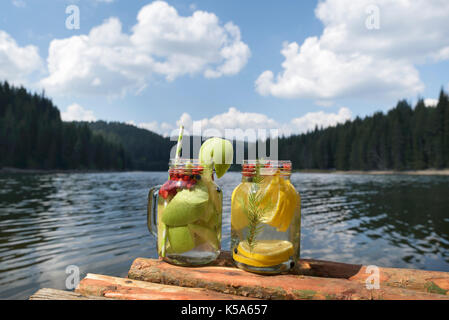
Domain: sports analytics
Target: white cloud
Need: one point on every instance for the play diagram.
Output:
(109, 61)
(319, 119)
(430, 102)
(17, 63)
(163, 128)
(236, 119)
(75, 112)
(350, 60)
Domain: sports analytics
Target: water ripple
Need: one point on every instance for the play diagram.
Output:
(98, 222)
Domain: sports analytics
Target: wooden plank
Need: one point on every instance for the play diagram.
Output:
(420, 280)
(231, 280)
(127, 289)
(54, 294)
(412, 279)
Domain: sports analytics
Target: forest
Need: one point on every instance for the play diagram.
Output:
(404, 138)
(33, 136)
(145, 150)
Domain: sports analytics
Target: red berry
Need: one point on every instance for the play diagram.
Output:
(287, 166)
(163, 193)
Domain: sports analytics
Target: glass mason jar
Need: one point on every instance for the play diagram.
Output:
(265, 218)
(184, 214)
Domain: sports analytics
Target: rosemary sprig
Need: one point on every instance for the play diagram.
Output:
(254, 209)
(254, 215)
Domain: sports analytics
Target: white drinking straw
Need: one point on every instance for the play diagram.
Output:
(179, 146)
(177, 156)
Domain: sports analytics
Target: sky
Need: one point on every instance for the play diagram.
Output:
(289, 65)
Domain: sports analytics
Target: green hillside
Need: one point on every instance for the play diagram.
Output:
(146, 150)
(32, 136)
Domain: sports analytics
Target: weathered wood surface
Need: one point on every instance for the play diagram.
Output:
(54, 294)
(412, 279)
(420, 280)
(127, 289)
(221, 277)
(310, 279)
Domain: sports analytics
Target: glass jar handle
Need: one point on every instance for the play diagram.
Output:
(153, 196)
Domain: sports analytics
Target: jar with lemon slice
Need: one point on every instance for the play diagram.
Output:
(265, 218)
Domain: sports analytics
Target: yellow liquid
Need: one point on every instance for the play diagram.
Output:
(279, 208)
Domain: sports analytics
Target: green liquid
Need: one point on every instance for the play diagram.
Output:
(193, 220)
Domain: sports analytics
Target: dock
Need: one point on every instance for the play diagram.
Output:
(154, 279)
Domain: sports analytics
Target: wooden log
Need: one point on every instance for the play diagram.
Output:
(232, 280)
(54, 294)
(420, 280)
(127, 289)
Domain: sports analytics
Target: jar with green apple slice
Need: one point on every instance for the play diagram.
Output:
(185, 214)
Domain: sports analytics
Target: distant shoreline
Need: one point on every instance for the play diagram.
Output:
(426, 172)
(44, 171)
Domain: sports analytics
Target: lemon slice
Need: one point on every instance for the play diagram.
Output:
(239, 219)
(254, 263)
(282, 193)
(271, 252)
(292, 202)
(271, 198)
(286, 206)
(278, 204)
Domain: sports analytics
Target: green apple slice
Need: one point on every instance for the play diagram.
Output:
(186, 207)
(212, 215)
(220, 152)
(208, 235)
(181, 239)
(210, 210)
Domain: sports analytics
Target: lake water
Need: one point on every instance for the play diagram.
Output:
(98, 223)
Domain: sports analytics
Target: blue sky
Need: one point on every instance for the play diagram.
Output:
(333, 66)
